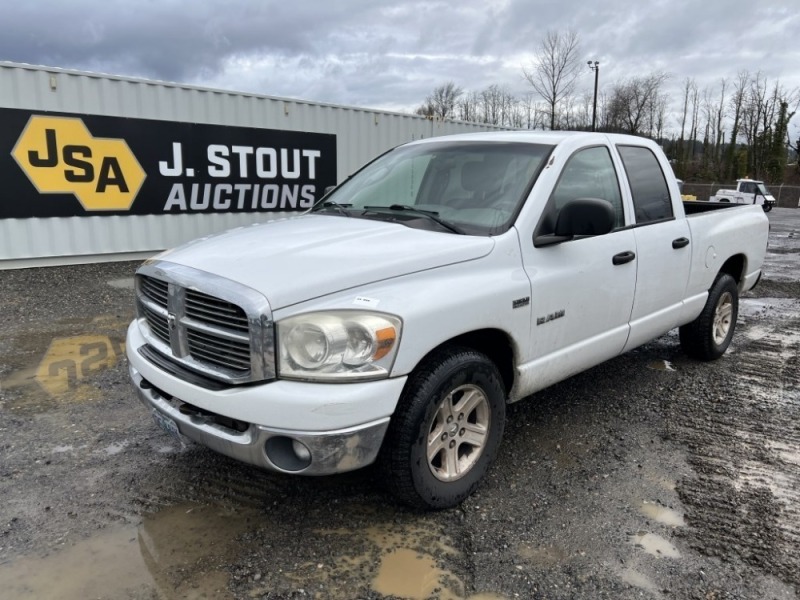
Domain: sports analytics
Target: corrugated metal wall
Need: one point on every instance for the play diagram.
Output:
(361, 134)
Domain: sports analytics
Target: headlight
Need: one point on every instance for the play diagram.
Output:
(337, 345)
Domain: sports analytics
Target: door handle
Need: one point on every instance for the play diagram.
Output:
(623, 257)
(681, 242)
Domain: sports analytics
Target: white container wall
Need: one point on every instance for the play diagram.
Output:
(361, 134)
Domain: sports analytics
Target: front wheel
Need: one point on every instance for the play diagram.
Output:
(446, 429)
(767, 207)
(709, 335)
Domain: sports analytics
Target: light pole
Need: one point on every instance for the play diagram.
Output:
(594, 66)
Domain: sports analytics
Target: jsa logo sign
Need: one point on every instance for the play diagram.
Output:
(60, 156)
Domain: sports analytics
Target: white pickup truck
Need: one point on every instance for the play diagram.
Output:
(748, 191)
(394, 321)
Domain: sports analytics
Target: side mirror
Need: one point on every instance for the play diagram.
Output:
(585, 216)
(581, 216)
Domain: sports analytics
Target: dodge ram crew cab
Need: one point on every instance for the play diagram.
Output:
(394, 321)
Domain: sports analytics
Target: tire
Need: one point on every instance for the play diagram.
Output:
(462, 442)
(767, 207)
(709, 335)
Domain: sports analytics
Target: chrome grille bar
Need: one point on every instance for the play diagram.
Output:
(158, 323)
(227, 355)
(212, 310)
(224, 331)
(156, 290)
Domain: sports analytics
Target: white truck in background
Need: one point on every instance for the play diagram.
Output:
(748, 191)
(395, 320)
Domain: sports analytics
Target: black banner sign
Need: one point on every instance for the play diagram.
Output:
(67, 165)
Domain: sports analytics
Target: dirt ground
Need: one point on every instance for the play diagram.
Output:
(650, 476)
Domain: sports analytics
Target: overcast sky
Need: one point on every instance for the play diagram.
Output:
(390, 55)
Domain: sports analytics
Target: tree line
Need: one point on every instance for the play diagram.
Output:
(735, 128)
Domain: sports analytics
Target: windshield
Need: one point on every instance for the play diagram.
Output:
(762, 189)
(475, 187)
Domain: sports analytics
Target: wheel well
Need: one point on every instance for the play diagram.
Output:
(495, 344)
(734, 267)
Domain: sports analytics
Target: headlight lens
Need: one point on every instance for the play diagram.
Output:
(337, 345)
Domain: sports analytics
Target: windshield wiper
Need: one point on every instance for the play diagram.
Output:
(428, 214)
(340, 208)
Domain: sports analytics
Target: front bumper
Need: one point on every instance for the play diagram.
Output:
(322, 452)
(339, 426)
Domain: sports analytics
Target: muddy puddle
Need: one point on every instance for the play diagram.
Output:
(772, 307)
(174, 553)
(639, 580)
(655, 544)
(409, 574)
(195, 551)
(123, 283)
(43, 369)
(662, 514)
(661, 365)
(542, 555)
(414, 561)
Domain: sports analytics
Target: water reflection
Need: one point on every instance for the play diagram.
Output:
(178, 552)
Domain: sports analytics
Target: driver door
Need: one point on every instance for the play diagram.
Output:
(582, 289)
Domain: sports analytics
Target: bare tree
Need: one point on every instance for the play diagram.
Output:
(468, 107)
(583, 119)
(443, 99)
(498, 105)
(634, 103)
(695, 100)
(660, 110)
(566, 117)
(555, 71)
(754, 113)
(605, 116)
(688, 84)
(720, 131)
(532, 113)
(737, 102)
(707, 107)
(765, 118)
(425, 110)
(492, 105)
(680, 153)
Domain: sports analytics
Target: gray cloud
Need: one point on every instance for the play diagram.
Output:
(362, 52)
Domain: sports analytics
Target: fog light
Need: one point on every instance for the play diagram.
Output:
(303, 453)
(287, 453)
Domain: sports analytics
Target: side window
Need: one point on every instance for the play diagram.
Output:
(749, 188)
(589, 173)
(651, 199)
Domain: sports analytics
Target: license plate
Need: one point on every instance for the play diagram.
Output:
(167, 424)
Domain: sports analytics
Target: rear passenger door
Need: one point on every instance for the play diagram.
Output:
(663, 247)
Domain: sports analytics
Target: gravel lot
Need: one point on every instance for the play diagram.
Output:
(650, 476)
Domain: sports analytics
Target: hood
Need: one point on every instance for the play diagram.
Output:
(297, 259)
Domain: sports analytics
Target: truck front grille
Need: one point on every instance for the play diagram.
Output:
(214, 311)
(156, 290)
(205, 332)
(158, 323)
(229, 354)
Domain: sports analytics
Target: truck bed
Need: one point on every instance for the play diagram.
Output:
(693, 207)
